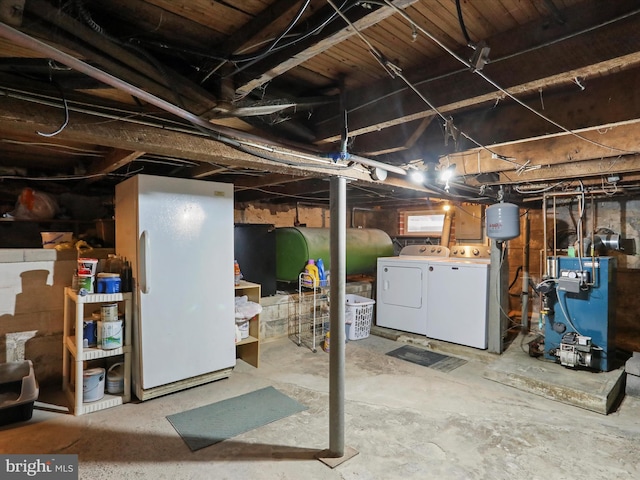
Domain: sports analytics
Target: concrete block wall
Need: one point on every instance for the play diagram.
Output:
(32, 285)
(632, 368)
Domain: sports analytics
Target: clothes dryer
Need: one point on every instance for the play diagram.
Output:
(401, 301)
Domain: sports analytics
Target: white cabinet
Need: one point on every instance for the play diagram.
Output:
(75, 356)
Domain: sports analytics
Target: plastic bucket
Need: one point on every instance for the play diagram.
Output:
(110, 335)
(115, 378)
(85, 283)
(93, 384)
(87, 266)
(243, 326)
(108, 283)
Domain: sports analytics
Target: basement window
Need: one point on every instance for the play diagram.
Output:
(422, 223)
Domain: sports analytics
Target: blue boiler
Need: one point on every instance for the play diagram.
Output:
(579, 331)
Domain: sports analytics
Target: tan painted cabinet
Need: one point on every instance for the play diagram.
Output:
(248, 349)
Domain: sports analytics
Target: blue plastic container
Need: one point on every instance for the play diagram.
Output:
(108, 284)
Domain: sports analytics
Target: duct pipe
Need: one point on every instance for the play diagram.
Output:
(525, 275)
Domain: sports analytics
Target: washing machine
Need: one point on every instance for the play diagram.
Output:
(401, 300)
(458, 296)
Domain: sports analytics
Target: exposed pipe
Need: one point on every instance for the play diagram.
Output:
(545, 270)
(26, 41)
(375, 163)
(525, 274)
(224, 134)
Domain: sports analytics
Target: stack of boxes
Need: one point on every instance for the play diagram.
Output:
(632, 367)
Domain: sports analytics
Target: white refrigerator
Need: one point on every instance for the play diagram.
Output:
(178, 235)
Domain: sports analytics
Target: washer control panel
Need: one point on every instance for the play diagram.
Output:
(470, 251)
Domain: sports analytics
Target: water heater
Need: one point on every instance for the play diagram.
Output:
(503, 221)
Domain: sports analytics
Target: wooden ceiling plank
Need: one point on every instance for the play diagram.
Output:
(203, 100)
(605, 100)
(152, 22)
(206, 13)
(112, 161)
(263, 181)
(256, 25)
(207, 170)
(168, 81)
(609, 141)
(25, 117)
(575, 170)
(388, 141)
(374, 106)
(304, 53)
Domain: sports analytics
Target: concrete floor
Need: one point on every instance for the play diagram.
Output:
(406, 422)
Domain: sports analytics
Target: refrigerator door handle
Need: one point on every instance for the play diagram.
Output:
(144, 274)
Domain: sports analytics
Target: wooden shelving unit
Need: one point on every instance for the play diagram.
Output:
(248, 349)
(75, 355)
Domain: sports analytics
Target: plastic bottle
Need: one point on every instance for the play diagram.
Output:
(326, 343)
(237, 275)
(126, 277)
(311, 274)
(321, 275)
(113, 264)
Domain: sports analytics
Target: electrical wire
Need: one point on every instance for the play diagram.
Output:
(322, 163)
(82, 152)
(288, 28)
(395, 71)
(504, 91)
(67, 177)
(461, 22)
(256, 56)
(564, 311)
(542, 190)
(198, 123)
(317, 199)
(500, 59)
(66, 116)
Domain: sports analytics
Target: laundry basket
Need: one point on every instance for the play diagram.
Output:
(358, 316)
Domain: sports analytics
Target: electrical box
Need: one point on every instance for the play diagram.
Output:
(573, 280)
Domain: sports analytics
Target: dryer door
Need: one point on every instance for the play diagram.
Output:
(401, 296)
(401, 285)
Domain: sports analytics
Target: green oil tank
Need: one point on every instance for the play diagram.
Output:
(296, 245)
